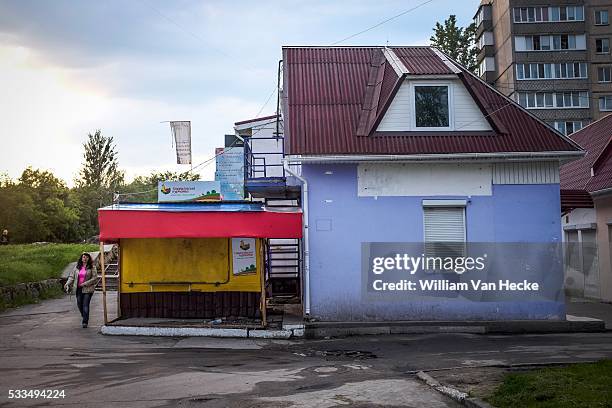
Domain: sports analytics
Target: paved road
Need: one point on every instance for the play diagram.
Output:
(43, 347)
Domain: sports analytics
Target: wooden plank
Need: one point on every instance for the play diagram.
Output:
(103, 282)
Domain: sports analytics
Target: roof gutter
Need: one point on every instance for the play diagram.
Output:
(510, 156)
(601, 192)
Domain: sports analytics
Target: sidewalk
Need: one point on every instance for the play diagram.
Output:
(592, 309)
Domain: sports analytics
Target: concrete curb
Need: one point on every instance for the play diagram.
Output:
(454, 394)
(282, 334)
(573, 324)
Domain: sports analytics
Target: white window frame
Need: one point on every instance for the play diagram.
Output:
(601, 22)
(606, 79)
(607, 107)
(602, 47)
(521, 68)
(533, 96)
(451, 106)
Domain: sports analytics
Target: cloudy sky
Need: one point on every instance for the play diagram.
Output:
(69, 67)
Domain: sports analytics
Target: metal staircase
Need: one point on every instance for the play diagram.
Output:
(112, 276)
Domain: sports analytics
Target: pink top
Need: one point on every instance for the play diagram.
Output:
(82, 274)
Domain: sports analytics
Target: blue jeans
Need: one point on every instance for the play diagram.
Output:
(83, 300)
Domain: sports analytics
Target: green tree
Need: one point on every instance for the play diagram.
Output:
(101, 166)
(457, 42)
(38, 207)
(98, 179)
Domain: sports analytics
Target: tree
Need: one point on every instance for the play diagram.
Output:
(98, 179)
(457, 42)
(100, 168)
(38, 207)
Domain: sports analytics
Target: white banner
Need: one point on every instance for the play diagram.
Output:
(181, 132)
(244, 255)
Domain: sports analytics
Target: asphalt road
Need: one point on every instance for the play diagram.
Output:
(44, 347)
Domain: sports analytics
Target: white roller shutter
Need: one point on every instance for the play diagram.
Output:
(444, 225)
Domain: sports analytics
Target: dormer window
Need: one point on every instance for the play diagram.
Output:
(431, 105)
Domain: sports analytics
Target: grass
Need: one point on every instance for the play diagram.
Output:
(575, 386)
(36, 262)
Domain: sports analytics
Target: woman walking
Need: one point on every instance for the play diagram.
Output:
(82, 281)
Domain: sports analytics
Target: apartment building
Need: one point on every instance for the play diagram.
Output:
(551, 56)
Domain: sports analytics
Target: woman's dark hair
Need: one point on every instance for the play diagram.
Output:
(89, 261)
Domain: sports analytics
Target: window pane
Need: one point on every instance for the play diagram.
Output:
(557, 42)
(558, 70)
(564, 42)
(523, 14)
(431, 103)
(540, 70)
(579, 13)
(540, 100)
(531, 14)
(547, 71)
(559, 100)
(563, 13)
(522, 99)
(530, 100)
(571, 13)
(575, 99)
(544, 13)
(554, 11)
(548, 100)
(571, 43)
(584, 99)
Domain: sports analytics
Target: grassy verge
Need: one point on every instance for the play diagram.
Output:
(33, 263)
(575, 386)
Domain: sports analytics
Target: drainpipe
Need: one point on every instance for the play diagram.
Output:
(305, 235)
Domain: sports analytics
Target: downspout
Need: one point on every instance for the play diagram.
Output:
(305, 235)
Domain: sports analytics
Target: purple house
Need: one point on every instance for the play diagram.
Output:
(398, 145)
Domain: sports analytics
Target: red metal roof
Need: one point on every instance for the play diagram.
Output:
(596, 139)
(327, 91)
(421, 61)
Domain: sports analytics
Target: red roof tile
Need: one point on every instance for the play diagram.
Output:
(327, 90)
(596, 139)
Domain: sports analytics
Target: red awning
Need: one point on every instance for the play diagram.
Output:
(122, 223)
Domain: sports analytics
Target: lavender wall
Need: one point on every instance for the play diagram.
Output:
(340, 221)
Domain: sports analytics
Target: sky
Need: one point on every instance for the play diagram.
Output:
(68, 68)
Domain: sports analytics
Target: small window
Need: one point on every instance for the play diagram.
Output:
(604, 74)
(605, 103)
(601, 17)
(431, 106)
(602, 45)
(444, 229)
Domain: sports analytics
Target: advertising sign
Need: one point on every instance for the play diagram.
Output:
(169, 191)
(244, 255)
(230, 172)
